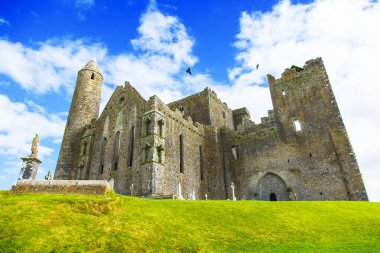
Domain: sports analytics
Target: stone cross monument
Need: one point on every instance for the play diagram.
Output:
(30, 164)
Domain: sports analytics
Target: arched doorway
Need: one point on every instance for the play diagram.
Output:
(272, 187)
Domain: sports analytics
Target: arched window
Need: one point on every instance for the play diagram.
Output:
(116, 146)
(101, 163)
(131, 146)
(84, 148)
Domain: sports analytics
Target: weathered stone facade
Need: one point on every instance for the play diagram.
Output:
(301, 151)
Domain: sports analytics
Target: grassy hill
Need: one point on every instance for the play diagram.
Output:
(115, 223)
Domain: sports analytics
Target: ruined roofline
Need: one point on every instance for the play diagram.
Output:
(175, 114)
(206, 92)
(294, 71)
(119, 89)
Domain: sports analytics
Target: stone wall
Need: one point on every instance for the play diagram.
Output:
(62, 186)
(306, 159)
(300, 151)
(84, 107)
(121, 114)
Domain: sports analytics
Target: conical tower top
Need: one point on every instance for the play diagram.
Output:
(92, 65)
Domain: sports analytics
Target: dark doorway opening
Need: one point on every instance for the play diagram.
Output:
(272, 197)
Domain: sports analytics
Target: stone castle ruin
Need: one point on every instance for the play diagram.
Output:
(198, 147)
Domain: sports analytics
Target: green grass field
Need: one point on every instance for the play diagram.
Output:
(116, 223)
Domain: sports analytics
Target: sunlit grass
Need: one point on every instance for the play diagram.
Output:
(116, 223)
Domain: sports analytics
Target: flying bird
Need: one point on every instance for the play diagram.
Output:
(257, 66)
(188, 71)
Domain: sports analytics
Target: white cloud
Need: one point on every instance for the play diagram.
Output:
(162, 52)
(84, 4)
(50, 66)
(343, 33)
(19, 125)
(4, 22)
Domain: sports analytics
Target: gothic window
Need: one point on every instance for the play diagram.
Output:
(116, 147)
(201, 162)
(182, 109)
(131, 145)
(181, 153)
(92, 76)
(101, 163)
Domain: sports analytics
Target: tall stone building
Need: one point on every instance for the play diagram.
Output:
(198, 145)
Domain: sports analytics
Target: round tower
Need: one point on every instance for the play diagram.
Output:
(84, 107)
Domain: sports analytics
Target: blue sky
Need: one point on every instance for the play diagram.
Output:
(150, 43)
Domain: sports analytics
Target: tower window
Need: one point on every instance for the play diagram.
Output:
(182, 109)
(297, 125)
(181, 153)
(223, 114)
(283, 92)
(92, 76)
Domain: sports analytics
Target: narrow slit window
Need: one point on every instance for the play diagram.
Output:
(181, 153)
(146, 153)
(160, 127)
(223, 114)
(201, 162)
(131, 145)
(147, 127)
(235, 152)
(101, 163)
(159, 154)
(297, 125)
(84, 150)
(283, 92)
(92, 76)
(116, 147)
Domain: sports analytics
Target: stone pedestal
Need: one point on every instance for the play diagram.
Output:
(29, 168)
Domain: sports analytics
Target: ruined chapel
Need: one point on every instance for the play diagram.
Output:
(198, 146)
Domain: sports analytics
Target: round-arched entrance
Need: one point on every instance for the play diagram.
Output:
(272, 187)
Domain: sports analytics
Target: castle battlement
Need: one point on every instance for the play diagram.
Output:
(198, 145)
